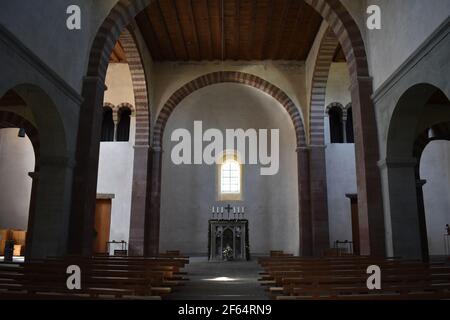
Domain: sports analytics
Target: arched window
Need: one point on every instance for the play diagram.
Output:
(336, 126)
(230, 178)
(107, 125)
(349, 126)
(123, 128)
(230, 181)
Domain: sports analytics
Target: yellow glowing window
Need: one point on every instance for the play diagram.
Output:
(230, 177)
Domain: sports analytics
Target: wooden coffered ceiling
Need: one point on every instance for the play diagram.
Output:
(241, 30)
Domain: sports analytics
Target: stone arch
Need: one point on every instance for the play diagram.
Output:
(348, 34)
(405, 119)
(152, 221)
(334, 105)
(142, 112)
(228, 77)
(127, 106)
(405, 143)
(318, 87)
(10, 119)
(108, 105)
(49, 212)
(335, 112)
(141, 108)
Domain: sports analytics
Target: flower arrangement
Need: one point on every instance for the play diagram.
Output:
(228, 253)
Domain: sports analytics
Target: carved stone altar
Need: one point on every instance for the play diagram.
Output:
(228, 233)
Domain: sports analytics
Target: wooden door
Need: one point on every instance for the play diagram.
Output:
(102, 225)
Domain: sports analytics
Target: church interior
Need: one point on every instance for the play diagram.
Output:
(98, 97)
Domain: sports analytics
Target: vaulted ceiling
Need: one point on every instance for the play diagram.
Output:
(240, 30)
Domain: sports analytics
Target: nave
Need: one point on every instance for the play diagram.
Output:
(233, 280)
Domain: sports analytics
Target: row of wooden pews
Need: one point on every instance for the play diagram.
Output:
(102, 277)
(345, 278)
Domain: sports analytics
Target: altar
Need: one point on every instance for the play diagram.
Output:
(228, 240)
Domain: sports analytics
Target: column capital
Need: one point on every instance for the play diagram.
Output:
(156, 149)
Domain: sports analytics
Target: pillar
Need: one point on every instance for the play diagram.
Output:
(138, 200)
(86, 172)
(422, 217)
(403, 207)
(305, 223)
(344, 125)
(319, 200)
(31, 212)
(370, 202)
(153, 204)
(50, 221)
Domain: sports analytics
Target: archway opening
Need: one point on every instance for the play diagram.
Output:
(348, 33)
(19, 150)
(190, 192)
(417, 168)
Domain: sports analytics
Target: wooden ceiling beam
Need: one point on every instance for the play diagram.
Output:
(296, 35)
(201, 12)
(148, 33)
(241, 30)
(215, 18)
(252, 29)
(277, 34)
(173, 29)
(161, 32)
(188, 22)
(237, 32)
(246, 22)
(195, 30)
(263, 18)
(271, 29)
(312, 26)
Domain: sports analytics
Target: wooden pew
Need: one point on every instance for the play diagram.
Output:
(102, 277)
(297, 278)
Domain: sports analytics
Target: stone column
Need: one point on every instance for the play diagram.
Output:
(422, 218)
(50, 221)
(305, 223)
(86, 171)
(31, 212)
(403, 209)
(319, 200)
(344, 125)
(370, 205)
(153, 204)
(138, 200)
(115, 114)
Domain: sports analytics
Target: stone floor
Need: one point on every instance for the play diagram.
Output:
(234, 280)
